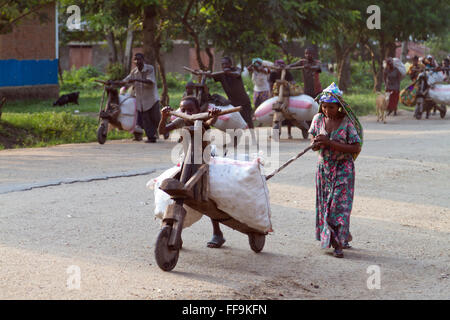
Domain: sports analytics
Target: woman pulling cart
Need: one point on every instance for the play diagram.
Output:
(338, 136)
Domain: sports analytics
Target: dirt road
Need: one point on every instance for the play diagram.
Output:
(85, 208)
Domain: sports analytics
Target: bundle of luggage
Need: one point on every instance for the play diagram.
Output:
(291, 90)
(408, 95)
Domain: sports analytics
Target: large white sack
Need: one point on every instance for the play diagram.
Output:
(400, 66)
(239, 188)
(303, 108)
(440, 93)
(435, 77)
(162, 199)
(228, 121)
(128, 114)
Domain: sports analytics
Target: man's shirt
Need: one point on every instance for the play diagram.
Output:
(146, 93)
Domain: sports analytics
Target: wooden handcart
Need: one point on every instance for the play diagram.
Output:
(190, 186)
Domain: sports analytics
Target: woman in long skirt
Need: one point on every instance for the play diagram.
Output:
(337, 135)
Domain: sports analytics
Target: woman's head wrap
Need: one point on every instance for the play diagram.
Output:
(332, 94)
(257, 61)
(328, 95)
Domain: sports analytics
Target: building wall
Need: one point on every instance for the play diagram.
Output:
(97, 56)
(28, 60)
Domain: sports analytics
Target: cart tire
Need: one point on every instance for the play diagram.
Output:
(101, 134)
(276, 131)
(443, 111)
(165, 257)
(305, 133)
(256, 241)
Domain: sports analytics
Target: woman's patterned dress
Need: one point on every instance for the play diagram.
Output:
(335, 180)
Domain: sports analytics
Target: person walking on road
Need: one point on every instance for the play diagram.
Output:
(337, 135)
(392, 77)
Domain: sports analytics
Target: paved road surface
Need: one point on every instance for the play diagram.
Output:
(87, 206)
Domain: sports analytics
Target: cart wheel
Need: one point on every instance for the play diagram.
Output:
(165, 258)
(305, 133)
(443, 111)
(276, 131)
(101, 134)
(257, 241)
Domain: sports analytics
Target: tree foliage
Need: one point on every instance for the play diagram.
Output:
(12, 12)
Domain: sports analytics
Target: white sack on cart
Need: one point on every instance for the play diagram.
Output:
(162, 199)
(228, 121)
(239, 188)
(440, 93)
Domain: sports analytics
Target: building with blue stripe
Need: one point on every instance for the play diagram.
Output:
(29, 58)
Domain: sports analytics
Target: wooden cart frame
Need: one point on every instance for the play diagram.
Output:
(190, 186)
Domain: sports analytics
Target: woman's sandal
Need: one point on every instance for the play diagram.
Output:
(338, 253)
(346, 245)
(216, 242)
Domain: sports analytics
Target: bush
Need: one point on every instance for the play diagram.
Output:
(176, 81)
(361, 76)
(327, 78)
(82, 78)
(115, 71)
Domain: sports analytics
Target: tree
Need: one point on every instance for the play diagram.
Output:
(402, 20)
(13, 11)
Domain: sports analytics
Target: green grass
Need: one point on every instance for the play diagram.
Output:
(51, 128)
(89, 101)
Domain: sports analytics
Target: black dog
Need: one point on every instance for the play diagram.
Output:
(67, 98)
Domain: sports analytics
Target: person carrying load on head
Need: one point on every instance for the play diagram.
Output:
(392, 78)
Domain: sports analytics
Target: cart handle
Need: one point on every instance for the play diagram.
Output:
(203, 115)
(203, 73)
(111, 83)
(285, 68)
